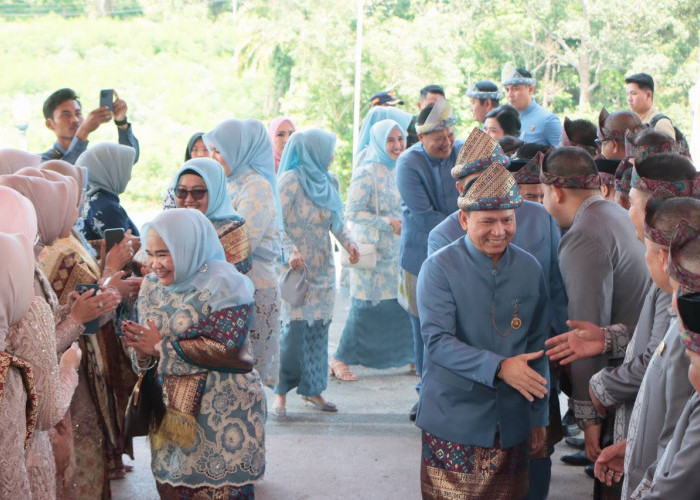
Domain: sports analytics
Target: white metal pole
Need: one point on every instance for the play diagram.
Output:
(358, 79)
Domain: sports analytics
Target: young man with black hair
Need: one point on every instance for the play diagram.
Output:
(640, 98)
(428, 95)
(484, 97)
(64, 117)
(537, 124)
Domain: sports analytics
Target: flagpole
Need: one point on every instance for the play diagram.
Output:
(358, 78)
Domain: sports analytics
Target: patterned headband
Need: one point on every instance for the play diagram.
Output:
(623, 176)
(606, 133)
(656, 235)
(591, 181)
(606, 179)
(689, 312)
(641, 153)
(566, 141)
(677, 188)
(478, 152)
(495, 189)
(530, 173)
(440, 118)
(518, 79)
(682, 235)
(475, 93)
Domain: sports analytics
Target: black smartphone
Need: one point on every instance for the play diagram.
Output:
(91, 327)
(112, 237)
(107, 98)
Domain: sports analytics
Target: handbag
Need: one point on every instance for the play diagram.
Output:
(367, 251)
(368, 257)
(293, 286)
(145, 408)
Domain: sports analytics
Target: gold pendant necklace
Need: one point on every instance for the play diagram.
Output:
(515, 323)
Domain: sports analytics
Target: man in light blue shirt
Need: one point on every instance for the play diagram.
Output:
(536, 123)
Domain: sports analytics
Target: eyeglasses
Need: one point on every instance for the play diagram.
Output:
(197, 194)
(599, 142)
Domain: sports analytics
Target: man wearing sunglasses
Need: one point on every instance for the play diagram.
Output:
(611, 132)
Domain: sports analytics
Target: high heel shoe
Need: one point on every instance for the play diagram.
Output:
(279, 411)
(318, 405)
(340, 370)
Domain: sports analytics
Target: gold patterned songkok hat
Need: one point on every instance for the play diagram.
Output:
(479, 151)
(495, 189)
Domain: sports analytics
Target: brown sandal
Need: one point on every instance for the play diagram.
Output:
(340, 370)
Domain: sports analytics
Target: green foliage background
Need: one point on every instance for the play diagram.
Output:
(183, 66)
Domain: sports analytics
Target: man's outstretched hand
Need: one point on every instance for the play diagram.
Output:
(517, 373)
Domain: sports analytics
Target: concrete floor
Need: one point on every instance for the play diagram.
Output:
(368, 450)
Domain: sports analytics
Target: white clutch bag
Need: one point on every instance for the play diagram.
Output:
(368, 257)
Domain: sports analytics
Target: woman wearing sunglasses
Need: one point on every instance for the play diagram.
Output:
(201, 184)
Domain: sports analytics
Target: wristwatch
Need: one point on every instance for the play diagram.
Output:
(119, 123)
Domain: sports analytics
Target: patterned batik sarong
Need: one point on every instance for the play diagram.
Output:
(217, 342)
(457, 471)
(233, 235)
(206, 493)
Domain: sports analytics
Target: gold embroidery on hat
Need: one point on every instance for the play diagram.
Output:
(477, 146)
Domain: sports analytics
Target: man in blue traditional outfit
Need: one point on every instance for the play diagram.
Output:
(64, 117)
(536, 123)
(428, 196)
(538, 235)
(485, 315)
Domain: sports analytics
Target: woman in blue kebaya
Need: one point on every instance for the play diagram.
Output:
(312, 207)
(243, 149)
(378, 331)
(200, 184)
(194, 310)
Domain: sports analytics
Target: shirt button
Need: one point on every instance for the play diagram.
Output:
(493, 273)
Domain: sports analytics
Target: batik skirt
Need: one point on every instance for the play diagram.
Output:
(460, 472)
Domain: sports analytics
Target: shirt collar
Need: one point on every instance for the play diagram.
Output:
(482, 260)
(585, 204)
(530, 108)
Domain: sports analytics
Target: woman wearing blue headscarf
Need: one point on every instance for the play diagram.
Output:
(109, 171)
(200, 184)
(243, 149)
(312, 207)
(378, 331)
(194, 311)
(374, 115)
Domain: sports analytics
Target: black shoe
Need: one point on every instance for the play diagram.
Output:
(576, 459)
(412, 414)
(579, 443)
(568, 423)
(590, 472)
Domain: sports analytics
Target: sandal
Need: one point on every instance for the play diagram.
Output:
(340, 370)
(117, 473)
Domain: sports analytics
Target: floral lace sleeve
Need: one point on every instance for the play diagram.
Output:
(67, 329)
(33, 339)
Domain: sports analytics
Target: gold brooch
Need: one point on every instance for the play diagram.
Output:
(515, 323)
